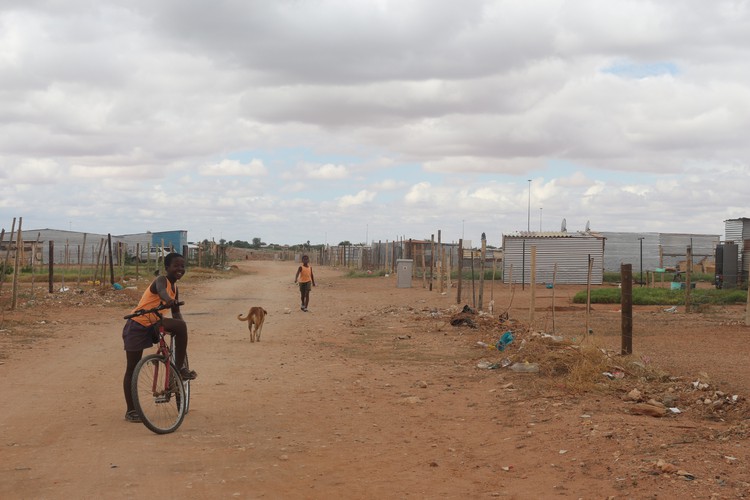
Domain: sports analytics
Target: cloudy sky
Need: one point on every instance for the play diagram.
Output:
(323, 121)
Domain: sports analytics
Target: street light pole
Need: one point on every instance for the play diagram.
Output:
(540, 219)
(523, 249)
(640, 278)
(528, 215)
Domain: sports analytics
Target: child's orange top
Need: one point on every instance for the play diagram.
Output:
(151, 300)
(305, 274)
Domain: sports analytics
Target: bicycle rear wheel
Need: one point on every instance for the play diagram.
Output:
(160, 404)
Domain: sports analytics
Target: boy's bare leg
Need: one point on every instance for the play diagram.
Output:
(133, 357)
(178, 328)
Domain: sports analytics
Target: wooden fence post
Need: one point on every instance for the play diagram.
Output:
(81, 255)
(554, 285)
(588, 296)
(440, 261)
(626, 278)
(34, 248)
(483, 256)
(16, 270)
(111, 264)
(432, 258)
(460, 269)
(7, 253)
(688, 270)
(532, 284)
(51, 265)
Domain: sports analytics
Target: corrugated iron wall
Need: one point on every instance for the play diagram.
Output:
(733, 229)
(74, 240)
(738, 231)
(625, 248)
(659, 249)
(76, 252)
(674, 247)
(570, 253)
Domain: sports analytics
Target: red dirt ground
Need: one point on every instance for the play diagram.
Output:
(373, 394)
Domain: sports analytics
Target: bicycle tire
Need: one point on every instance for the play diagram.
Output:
(186, 384)
(161, 412)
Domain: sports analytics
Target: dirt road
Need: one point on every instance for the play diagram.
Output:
(371, 394)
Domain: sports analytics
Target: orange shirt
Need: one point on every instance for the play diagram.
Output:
(149, 300)
(305, 274)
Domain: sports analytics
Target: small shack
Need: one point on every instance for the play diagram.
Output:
(570, 251)
(737, 231)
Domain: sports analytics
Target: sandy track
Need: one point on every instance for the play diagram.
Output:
(369, 395)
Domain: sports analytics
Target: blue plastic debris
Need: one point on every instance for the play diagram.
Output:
(506, 339)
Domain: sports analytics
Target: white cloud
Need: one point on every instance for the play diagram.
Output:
(389, 185)
(327, 171)
(360, 198)
(233, 167)
(294, 187)
(419, 193)
(35, 171)
(88, 172)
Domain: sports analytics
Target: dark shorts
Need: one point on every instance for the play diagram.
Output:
(137, 337)
(305, 287)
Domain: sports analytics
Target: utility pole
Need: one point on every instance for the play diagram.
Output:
(640, 278)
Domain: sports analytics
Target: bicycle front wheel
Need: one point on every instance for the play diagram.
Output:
(186, 384)
(160, 402)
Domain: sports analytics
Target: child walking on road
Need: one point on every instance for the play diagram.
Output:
(306, 281)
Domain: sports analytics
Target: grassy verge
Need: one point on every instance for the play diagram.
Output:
(663, 296)
(615, 277)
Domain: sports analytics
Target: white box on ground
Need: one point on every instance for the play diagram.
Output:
(404, 268)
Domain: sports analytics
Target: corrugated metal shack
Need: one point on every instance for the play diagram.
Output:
(673, 248)
(738, 232)
(625, 248)
(95, 244)
(570, 251)
(660, 250)
(73, 241)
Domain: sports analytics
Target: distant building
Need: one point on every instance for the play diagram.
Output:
(737, 231)
(174, 240)
(570, 252)
(655, 250)
(69, 247)
(74, 247)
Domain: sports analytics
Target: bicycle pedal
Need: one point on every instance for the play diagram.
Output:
(163, 398)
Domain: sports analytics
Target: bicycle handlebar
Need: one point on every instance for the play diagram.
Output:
(160, 307)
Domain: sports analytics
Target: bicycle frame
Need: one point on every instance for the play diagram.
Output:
(166, 351)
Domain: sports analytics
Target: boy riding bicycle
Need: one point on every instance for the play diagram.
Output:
(141, 333)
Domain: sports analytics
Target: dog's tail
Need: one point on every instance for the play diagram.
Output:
(239, 317)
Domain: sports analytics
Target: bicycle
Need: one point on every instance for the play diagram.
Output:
(160, 395)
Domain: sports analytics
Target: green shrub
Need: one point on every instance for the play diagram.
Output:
(354, 273)
(615, 277)
(663, 296)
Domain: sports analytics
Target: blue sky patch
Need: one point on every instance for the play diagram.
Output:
(629, 69)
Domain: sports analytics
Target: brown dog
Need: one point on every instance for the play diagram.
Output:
(256, 316)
